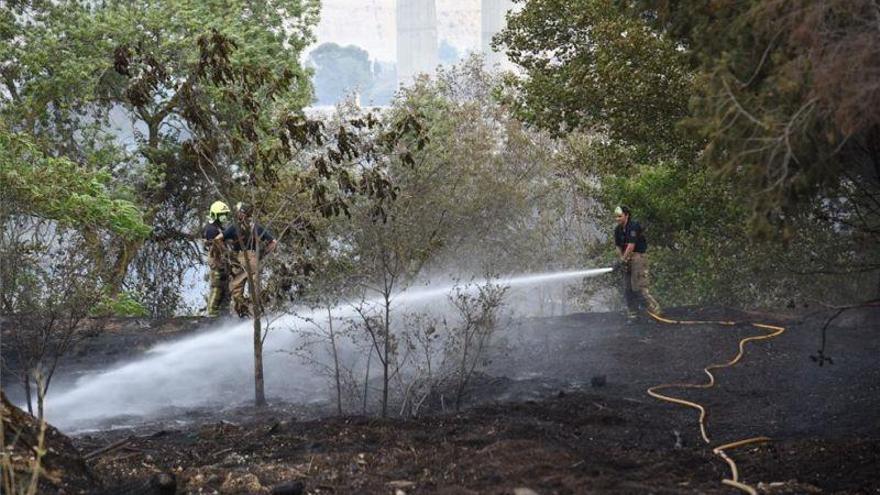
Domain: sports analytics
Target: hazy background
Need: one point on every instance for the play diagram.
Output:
(356, 46)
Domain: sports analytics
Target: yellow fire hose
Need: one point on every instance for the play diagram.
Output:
(775, 331)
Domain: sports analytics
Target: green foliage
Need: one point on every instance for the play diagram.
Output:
(60, 190)
(483, 193)
(669, 199)
(123, 304)
(716, 122)
(589, 65)
(136, 91)
(785, 99)
(314, 177)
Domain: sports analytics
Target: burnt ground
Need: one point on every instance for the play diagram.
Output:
(562, 409)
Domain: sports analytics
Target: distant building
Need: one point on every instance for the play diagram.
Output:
(416, 39)
(492, 21)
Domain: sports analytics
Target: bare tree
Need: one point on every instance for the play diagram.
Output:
(319, 341)
(296, 174)
(375, 321)
(424, 335)
(442, 352)
(50, 292)
(468, 342)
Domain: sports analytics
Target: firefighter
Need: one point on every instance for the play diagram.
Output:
(218, 258)
(249, 241)
(632, 249)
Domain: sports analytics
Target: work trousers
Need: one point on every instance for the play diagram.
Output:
(218, 298)
(635, 286)
(239, 279)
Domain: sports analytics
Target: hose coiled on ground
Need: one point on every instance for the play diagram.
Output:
(774, 331)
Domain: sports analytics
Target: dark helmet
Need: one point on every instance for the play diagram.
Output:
(244, 208)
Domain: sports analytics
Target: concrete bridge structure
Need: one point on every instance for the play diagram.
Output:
(417, 40)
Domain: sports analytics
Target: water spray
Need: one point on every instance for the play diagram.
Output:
(214, 369)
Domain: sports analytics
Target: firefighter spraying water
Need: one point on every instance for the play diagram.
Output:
(632, 249)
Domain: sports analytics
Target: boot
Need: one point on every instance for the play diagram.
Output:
(651, 304)
(242, 309)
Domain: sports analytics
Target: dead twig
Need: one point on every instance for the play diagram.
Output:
(821, 357)
(221, 452)
(109, 448)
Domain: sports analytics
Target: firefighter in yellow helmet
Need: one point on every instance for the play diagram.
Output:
(218, 258)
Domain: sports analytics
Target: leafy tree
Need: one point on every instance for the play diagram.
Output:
(482, 195)
(295, 173)
(124, 86)
(340, 70)
(51, 286)
(490, 186)
(590, 66)
(786, 102)
(758, 113)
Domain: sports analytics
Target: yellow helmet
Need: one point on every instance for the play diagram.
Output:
(219, 211)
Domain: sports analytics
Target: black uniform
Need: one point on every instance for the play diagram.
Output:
(245, 241)
(635, 273)
(630, 234)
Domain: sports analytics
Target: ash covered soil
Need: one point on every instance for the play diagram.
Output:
(561, 408)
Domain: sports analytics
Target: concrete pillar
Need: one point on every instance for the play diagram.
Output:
(492, 20)
(416, 39)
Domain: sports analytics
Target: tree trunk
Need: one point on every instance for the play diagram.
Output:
(385, 386)
(367, 381)
(387, 359)
(128, 252)
(335, 363)
(259, 393)
(462, 372)
(253, 274)
(41, 395)
(27, 393)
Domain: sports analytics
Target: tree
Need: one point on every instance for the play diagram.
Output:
(603, 69)
(473, 201)
(120, 86)
(51, 286)
(470, 340)
(293, 172)
(446, 347)
(340, 70)
(786, 102)
(492, 186)
(590, 66)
